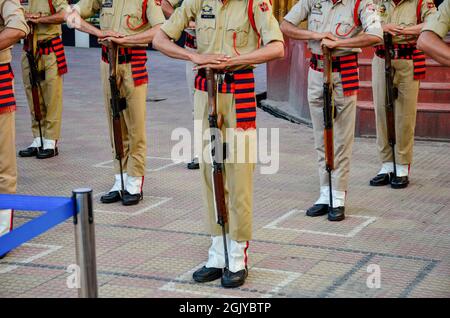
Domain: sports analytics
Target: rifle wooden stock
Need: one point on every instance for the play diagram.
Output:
(390, 90)
(34, 80)
(116, 107)
(328, 110)
(216, 148)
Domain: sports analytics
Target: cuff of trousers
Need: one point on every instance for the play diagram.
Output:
(216, 254)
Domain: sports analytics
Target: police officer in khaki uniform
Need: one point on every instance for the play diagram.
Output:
(13, 27)
(333, 23)
(168, 7)
(228, 39)
(403, 19)
(127, 19)
(435, 29)
(45, 18)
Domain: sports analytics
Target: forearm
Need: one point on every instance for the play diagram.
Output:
(163, 44)
(271, 51)
(413, 30)
(9, 37)
(167, 9)
(57, 18)
(360, 41)
(143, 37)
(431, 44)
(297, 33)
(86, 27)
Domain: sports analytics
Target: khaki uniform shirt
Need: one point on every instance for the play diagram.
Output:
(11, 16)
(45, 31)
(175, 4)
(404, 14)
(224, 28)
(123, 16)
(324, 16)
(439, 23)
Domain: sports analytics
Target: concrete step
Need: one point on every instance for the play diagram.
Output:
(435, 72)
(433, 120)
(429, 92)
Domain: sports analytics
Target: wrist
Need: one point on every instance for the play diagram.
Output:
(191, 56)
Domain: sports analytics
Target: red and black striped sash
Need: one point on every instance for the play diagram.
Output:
(54, 45)
(242, 85)
(406, 52)
(137, 57)
(7, 99)
(346, 65)
(191, 41)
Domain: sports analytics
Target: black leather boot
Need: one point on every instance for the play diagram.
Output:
(29, 152)
(381, 180)
(205, 274)
(234, 280)
(111, 197)
(193, 165)
(47, 153)
(317, 210)
(400, 182)
(336, 214)
(131, 199)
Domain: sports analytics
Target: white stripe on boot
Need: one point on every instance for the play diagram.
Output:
(238, 256)
(324, 195)
(386, 168)
(49, 144)
(338, 198)
(36, 143)
(402, 170)
(216, 254)
(5, 221)
(118, 182)
(134, 184)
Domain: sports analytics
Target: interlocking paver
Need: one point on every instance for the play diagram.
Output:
(151, 250)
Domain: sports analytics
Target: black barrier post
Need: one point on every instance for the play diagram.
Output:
(85, 243)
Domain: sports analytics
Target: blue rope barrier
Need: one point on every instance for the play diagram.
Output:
(56, 210)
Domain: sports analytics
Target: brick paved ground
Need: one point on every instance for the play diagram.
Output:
(151, 250)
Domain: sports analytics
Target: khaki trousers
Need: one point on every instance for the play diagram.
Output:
(405, 107)
(51, 98)
(132, 118)
(8, 167)
(344, 128)
(238, 174)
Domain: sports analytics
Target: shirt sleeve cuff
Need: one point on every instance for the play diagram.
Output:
(171, 30)
(440, 29)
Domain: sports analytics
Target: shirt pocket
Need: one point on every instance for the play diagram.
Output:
(106, 15)
(205, 29)
(344, 27)
(238, 32)
(133, 15)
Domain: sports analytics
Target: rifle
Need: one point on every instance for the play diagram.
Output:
(117, 105)
(35, 82)
(391, 95)
(328, 115)
(216, 147)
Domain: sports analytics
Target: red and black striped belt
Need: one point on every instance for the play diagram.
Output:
(56, 46)
(191, 41)
(7, 99)
(406, 52)
(137, 57)
(240, 83)
(346, 65)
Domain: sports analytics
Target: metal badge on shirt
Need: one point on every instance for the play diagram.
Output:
(317, 8)
(107, 4)
(207, 12)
